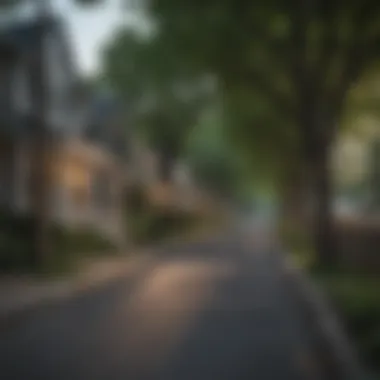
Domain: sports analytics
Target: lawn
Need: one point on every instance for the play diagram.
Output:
(357, 301)
(354, 294)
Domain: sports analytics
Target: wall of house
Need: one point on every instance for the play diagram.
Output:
(14, 174)
(143, 168)
(21, 96)
(60, 79)
(88, 189)
(87, 186)
(61, 110)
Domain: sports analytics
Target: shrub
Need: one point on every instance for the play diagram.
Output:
(155, 224)
(358, 302)
(71, 244)
(136, 201)
(16, 242)
(296, 240)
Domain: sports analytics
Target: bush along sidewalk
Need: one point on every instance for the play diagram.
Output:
(149, 223)
(355, 295)
(67, 245)
(357, 301)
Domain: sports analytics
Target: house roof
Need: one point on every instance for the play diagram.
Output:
(100, 108)
(18, 38)
(22, 35)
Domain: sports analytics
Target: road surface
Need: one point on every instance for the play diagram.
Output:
(211, 310)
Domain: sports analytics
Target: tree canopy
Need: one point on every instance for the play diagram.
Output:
(163, 95)
(288, 68)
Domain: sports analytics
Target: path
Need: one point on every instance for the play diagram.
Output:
(213, 310)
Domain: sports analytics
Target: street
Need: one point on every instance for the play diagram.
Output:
(217, 309)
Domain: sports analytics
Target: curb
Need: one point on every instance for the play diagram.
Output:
(334, 348)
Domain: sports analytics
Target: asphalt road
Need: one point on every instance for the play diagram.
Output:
(211, 310)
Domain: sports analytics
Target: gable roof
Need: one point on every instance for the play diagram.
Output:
(22, 35)
(19, 39)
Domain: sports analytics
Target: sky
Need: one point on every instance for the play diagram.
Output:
(89, 28)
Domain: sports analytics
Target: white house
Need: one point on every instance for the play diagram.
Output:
(87, 160)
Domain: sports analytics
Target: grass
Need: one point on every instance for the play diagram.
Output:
(297, 242)
(357, 300)
(356, 297)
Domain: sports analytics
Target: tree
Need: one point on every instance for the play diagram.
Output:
(213, 161)
(363, 110)
(301, 57)
(164, 98)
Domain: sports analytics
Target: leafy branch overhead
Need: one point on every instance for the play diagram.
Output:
(164, 96)
(319, 47)
(285, 69)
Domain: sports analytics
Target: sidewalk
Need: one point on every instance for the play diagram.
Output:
(19, 294)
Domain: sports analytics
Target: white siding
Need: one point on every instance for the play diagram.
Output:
(60, 80)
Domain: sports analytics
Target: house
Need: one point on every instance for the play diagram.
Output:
(87, 154)
(181, 193)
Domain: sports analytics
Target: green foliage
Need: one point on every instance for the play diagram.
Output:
(136, 201)
(374, 180)
(357, 300)
(296, 240)
(158, 225)
(68, 245)
(213, 162)
(15, 242)
(164, 98)
(79, 240)
(148, 223)
(284, 68)
(151, 224)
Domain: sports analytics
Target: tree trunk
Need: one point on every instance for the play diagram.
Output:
(374, 185)
(318, 132)
(323, 218)
(295, 196)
